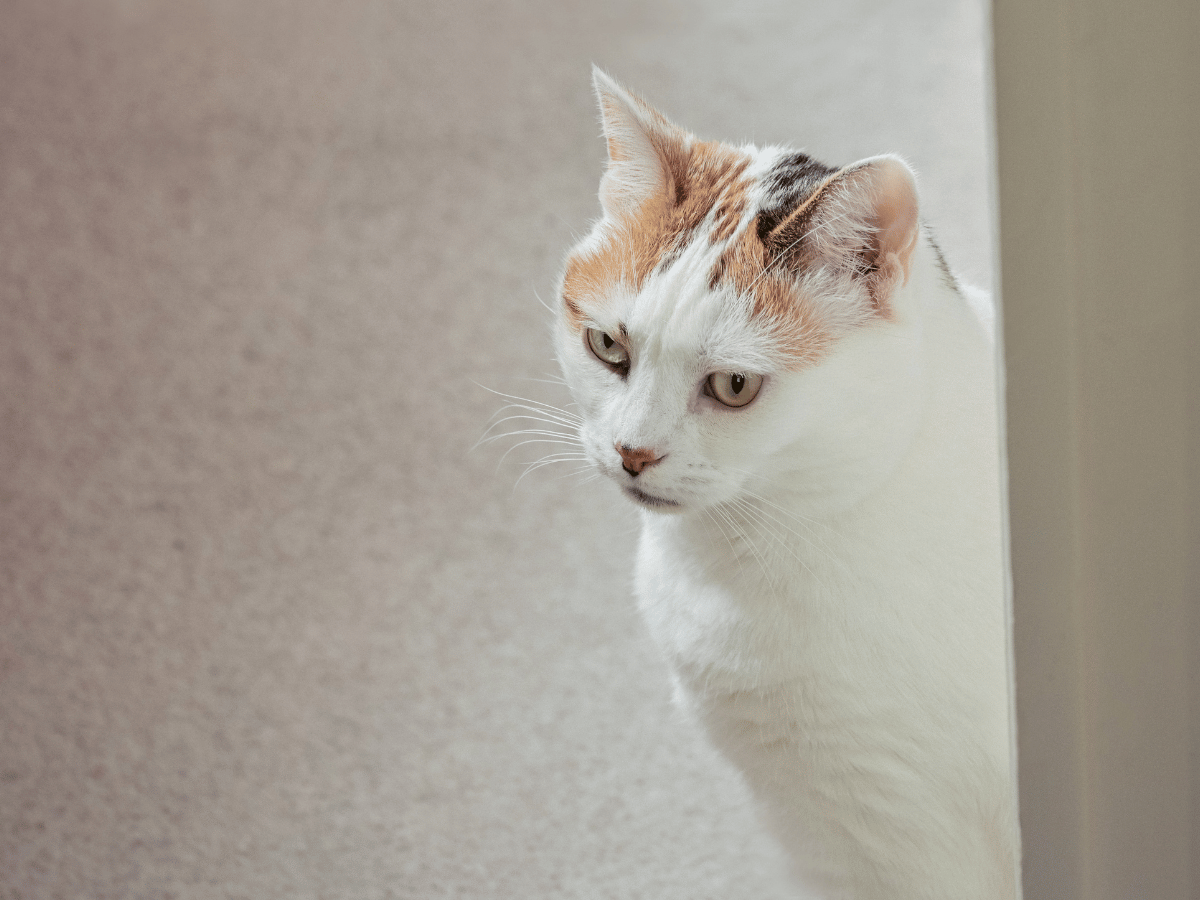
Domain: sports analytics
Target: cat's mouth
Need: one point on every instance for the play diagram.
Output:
(649, 499)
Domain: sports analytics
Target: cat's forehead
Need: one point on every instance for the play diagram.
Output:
(681, 258)
(709, 192)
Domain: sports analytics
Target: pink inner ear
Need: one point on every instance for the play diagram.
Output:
(895, 211)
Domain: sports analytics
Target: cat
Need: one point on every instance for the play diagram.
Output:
(772, 359)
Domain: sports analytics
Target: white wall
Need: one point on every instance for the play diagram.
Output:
(1097, 135)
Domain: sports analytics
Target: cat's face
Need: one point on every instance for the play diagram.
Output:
(675, 387)
(703, 320)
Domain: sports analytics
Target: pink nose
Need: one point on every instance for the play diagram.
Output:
(633, 461)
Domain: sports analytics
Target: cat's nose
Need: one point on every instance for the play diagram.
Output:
(634, 460)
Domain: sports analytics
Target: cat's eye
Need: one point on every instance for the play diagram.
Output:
(607, 350)
(733, 388)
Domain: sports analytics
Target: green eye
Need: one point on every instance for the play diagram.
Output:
(607, 350)
(733, 388)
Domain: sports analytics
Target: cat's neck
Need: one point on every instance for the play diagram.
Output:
(912, 406)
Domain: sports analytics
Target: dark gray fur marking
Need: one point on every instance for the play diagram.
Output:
(789, 183)
(947, 276)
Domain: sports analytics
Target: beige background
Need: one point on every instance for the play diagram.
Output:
(267, 627)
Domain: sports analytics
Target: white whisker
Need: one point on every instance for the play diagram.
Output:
(533, 441)
(524, 400)
(547, 461)
(489, 438)
(549, 425)
(562, 416)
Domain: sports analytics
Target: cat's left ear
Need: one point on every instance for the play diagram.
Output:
(862, 222)
(647, 155)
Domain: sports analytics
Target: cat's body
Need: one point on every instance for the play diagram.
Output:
(772, 359)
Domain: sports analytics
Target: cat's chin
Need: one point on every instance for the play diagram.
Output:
(649, 501)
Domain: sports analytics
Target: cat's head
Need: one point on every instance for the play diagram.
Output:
(703, 323)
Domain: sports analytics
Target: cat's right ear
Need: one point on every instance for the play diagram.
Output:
(861, 222)
(646, 153)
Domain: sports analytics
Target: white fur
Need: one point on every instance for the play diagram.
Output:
(830, 595)
(829, 589)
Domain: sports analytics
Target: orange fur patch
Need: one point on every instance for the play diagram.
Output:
(747, 269)
(700, 178)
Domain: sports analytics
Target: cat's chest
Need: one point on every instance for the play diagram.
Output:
(742, 609)
(746, 610)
